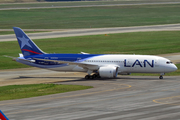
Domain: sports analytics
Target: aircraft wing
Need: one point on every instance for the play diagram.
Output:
(84, 65)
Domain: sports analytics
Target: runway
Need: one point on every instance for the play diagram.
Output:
(91, 31)
(124, 98)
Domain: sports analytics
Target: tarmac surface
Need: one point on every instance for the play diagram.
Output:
(123, 98)
(91, 31)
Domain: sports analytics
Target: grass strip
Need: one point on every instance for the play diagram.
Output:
(25, 91)
(91, 17)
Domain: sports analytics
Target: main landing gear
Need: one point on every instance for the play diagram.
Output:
(161, 75)
(92, 76)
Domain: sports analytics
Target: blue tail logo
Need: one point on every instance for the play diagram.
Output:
(28, 47)
(2, 116)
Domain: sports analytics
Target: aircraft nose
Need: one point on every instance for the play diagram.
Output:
(173, 67)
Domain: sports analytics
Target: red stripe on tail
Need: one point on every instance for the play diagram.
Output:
(31, 51)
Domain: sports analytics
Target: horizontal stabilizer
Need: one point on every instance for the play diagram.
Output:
(16, 58)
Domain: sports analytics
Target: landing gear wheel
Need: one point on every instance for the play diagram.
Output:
(92, 77)
(87, 76)
(98, 76)
(161, 77)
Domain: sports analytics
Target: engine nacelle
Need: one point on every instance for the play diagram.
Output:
(108, 71)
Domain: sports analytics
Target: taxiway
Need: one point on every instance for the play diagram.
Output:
(124, 98)
(91, 31)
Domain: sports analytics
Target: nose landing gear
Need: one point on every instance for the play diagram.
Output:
(161, 75)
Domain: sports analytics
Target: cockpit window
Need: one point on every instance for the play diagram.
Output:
(168, 62)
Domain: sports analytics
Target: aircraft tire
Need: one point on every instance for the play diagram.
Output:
(161, 77)
(91, 77)
(94, 76)
(87, 76)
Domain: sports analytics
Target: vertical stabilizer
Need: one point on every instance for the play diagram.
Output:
(27, 46)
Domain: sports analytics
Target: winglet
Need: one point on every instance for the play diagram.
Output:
(28, 47)
(2, 116)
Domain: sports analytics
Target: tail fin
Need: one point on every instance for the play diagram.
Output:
(2, 116)
(28, 47)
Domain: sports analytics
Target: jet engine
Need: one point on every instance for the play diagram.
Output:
(108, 71)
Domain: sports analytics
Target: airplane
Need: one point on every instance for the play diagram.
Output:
(95, 65)
(2, 116)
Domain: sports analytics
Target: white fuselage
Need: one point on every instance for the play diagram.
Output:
(126, 64)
